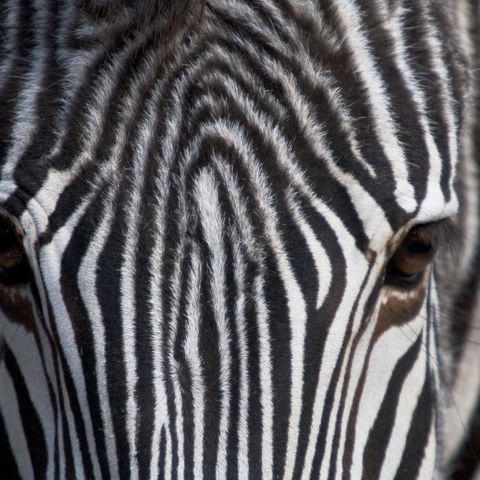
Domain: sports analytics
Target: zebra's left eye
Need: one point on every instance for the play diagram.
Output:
(408, 264)
(14, 267)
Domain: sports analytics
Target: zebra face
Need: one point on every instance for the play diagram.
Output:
(225, 234)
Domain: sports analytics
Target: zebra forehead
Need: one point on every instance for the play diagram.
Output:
(342, 102)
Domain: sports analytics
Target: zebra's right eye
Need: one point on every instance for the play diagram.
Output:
(14, 267)
(406, 268)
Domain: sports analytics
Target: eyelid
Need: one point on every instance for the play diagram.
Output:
(444, 233)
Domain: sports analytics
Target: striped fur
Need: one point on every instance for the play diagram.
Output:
(209, 195)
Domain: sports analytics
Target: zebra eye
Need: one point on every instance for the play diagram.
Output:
(14, 268)
(408, 264)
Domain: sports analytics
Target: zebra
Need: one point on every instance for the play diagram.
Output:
(239, 239)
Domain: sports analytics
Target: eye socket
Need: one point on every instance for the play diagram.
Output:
(408, 264)
(14, 268)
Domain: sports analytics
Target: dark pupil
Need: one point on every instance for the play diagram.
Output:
(6, 238)
(420, 248)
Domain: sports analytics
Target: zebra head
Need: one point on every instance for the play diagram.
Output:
(225, 238)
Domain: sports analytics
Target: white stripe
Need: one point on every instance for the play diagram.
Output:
(211, 220)
(266, 388)
(192, 356)
(241, 326)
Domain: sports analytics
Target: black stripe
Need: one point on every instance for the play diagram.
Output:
(182, 370)
(414, 451)
(109, 293)
(162, 455)
(231, 293)
(143, 334)
(210, 355)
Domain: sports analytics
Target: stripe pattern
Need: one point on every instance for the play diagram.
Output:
(209, 195)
